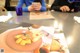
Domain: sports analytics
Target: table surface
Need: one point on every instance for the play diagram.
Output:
(70, 26)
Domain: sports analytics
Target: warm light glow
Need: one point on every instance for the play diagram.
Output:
(55, 24)
(60, 26)
(69, 40)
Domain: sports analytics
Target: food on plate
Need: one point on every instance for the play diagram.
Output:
(47, 46)
(28, 41)
(23, 42)
(36, 35)
(44, 50)
(28, 37)
(41, 50)
(17, 36)
(18, 40)
(37, 50)
(55, 45)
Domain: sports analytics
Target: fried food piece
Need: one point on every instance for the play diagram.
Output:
(28, 41)
(18, 40)
(55, 45)
(17, 36)
(23, 42)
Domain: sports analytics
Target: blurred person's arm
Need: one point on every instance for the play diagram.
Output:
(43, 6)
(2, 9)
(2, 5)
(55, 6)
(65, 8)
(29, 6)
(20, 4)
(60, 5)
(77, 6)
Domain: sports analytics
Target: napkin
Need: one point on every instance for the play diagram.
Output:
(77, 18)
(4, 18)
(40, 15)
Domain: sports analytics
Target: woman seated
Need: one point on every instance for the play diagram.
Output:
(32, 5)
(65, 6)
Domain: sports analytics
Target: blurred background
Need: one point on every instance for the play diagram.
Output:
(14, 2)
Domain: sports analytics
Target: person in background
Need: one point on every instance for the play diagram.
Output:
(32, 5)
(2, 9)
(2, 4)
(65, 6)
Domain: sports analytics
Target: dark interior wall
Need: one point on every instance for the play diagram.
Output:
(8, 7)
